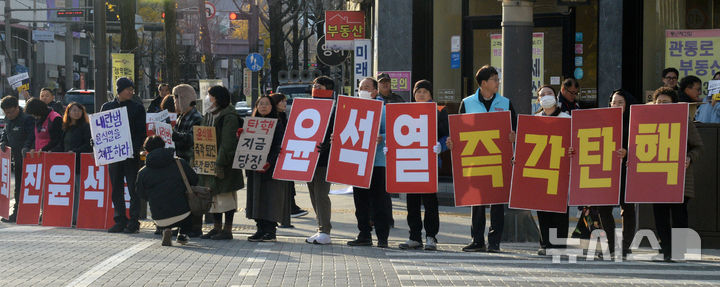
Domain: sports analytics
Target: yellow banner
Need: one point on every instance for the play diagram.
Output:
(693, 52)
(123, 65)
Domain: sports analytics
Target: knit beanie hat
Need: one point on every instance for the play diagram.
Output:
(185, 95)
(424, 84)
(122, 84)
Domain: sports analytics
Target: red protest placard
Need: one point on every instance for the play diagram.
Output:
(352, 154)
(411, 133)
(59, 188)
(110, 217)
(344, 25)
(595, 168)
(305, 130)
(94, 189)
(541, 172)
(657, 148)
(31, 190)
(5, 160)
(481, 158)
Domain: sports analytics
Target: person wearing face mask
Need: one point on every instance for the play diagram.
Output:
(485, 100)
(126, 170)
(184, 100)
(690, 89)
(709, 111)
(549, 220)
(423, 93)
(226, 181)
(675, 215)
(319, 188)
(371, 203)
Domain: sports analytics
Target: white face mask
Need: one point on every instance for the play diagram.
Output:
(208, 105)
(547, 101)
(364, 94)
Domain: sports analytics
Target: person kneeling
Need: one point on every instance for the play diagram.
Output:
(161, 184)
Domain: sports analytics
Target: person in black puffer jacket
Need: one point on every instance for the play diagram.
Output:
(161, 184)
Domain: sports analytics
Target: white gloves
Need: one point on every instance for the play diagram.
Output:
(385, 150)
(437, 148)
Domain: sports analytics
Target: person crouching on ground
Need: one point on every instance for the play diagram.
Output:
(161, 184)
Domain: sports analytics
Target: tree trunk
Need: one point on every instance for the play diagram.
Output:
(205, 42)
(277, 40)
(128, 35)
(295, 45)
(172, 59)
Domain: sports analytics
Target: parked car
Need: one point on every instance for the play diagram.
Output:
(21, 103)
(243, 109)
(293, 91)
(83, 97)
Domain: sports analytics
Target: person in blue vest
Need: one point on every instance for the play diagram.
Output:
(486, 100)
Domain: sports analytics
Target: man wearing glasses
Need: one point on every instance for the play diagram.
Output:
(670, 78)
(568, 95)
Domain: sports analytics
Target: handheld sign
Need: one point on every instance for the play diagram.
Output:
(111, 136)
(254, 143)
(411, 134)
(352, 154)
(307, 124)
(205, 150)
(5, 160)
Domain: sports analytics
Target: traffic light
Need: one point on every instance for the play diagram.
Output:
(233, 16)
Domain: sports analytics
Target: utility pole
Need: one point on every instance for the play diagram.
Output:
(8, 36)
(101, 66)
(68, 51)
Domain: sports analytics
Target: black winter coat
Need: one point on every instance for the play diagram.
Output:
(77, 139)
(160, 183)
(136, 115)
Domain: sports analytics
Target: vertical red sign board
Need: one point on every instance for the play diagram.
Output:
(59, 189)
(92, 205)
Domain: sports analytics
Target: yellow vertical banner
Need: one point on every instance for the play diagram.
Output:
(123, 65)
(693, 52)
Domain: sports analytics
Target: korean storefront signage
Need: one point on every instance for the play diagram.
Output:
(123, 65)
(342, 27)
(693, 52)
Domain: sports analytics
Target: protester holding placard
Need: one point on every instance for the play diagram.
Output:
(281, 104)
(19, 135)
(620, 99)
(76, 138)
(226, 181)
(690, 89)
(162, 185)
(677, 212)
(48, 126)
(548, 220)
(422, 92)
(268, 199)
(487, 100)
(184, 99)
(319, 188)
(126, 170)
(371, 203)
